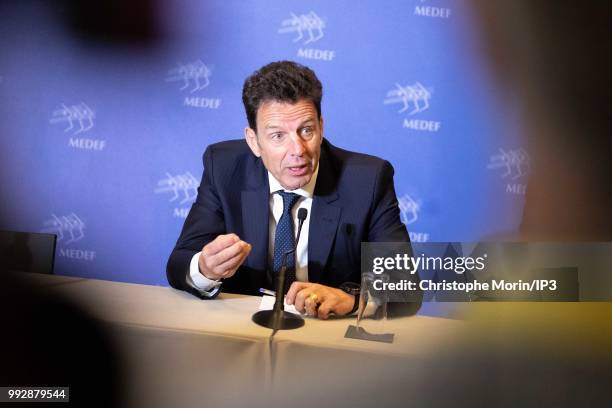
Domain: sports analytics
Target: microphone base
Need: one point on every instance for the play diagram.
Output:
(284, 321)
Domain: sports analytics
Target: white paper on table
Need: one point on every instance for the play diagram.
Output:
(267, 303)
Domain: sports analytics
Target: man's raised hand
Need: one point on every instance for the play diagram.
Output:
(221, 258)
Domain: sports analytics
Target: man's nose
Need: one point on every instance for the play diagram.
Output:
(297, 145)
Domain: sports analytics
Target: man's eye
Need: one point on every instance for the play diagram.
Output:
(276, 136)
(307, 131)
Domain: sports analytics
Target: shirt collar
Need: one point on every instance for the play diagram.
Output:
(306, 191)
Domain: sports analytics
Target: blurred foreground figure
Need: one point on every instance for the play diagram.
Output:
(48, 341)
(555, 55)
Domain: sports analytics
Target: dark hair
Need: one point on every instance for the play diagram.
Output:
(281, 81)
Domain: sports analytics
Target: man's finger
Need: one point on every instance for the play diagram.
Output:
(325, 309)
(300, 299)
(294, 289)
(237, 259)
(237, 249)
(311, 304)
(231, 265)
(220, 243)
(229, 273)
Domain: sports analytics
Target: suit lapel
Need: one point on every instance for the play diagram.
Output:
(255, 215)
(324, 218)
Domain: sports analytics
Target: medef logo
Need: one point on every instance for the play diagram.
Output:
(183, 189)
(195, 77)
(424, 10)
(409, 214)
(414, 99)
(307, 29)
(69, 230)
(515, 166)
(77, 119)
(310, 24)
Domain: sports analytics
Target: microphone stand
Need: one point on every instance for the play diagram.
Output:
(278, 318)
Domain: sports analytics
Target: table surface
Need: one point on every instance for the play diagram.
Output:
(179, 350)
(230, 315)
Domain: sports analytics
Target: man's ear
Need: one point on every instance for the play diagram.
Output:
(251, 139)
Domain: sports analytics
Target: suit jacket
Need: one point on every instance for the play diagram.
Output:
(354, 200)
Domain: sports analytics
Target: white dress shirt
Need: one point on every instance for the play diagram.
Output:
(209, 287)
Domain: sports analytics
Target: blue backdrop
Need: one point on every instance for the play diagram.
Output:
(102, 145)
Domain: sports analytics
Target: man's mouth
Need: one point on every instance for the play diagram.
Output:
(298, 170)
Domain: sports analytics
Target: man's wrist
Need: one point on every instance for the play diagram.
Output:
(199, 280)
(353, 289)
(355, 304)
(200, 269)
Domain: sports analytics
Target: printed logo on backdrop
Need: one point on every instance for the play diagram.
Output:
(413, 99)
(193, 78)
(305, 30)
(77, 121)
(409, 214)
(181, 190)
(423, 8)
(513, 167)
(70, 231)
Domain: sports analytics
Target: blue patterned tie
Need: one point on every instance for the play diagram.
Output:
(284, 240)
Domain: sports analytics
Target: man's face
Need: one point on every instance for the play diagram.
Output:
(288, 140)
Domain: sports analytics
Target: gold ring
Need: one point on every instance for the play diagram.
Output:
(313, 297)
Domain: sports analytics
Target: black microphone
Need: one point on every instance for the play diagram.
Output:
(302, 214)
(277, 318)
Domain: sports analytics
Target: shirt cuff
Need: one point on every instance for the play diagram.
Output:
(196, 280)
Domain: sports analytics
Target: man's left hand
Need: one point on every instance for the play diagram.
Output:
(318, 300)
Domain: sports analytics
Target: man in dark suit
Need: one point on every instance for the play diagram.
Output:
(245, 214)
